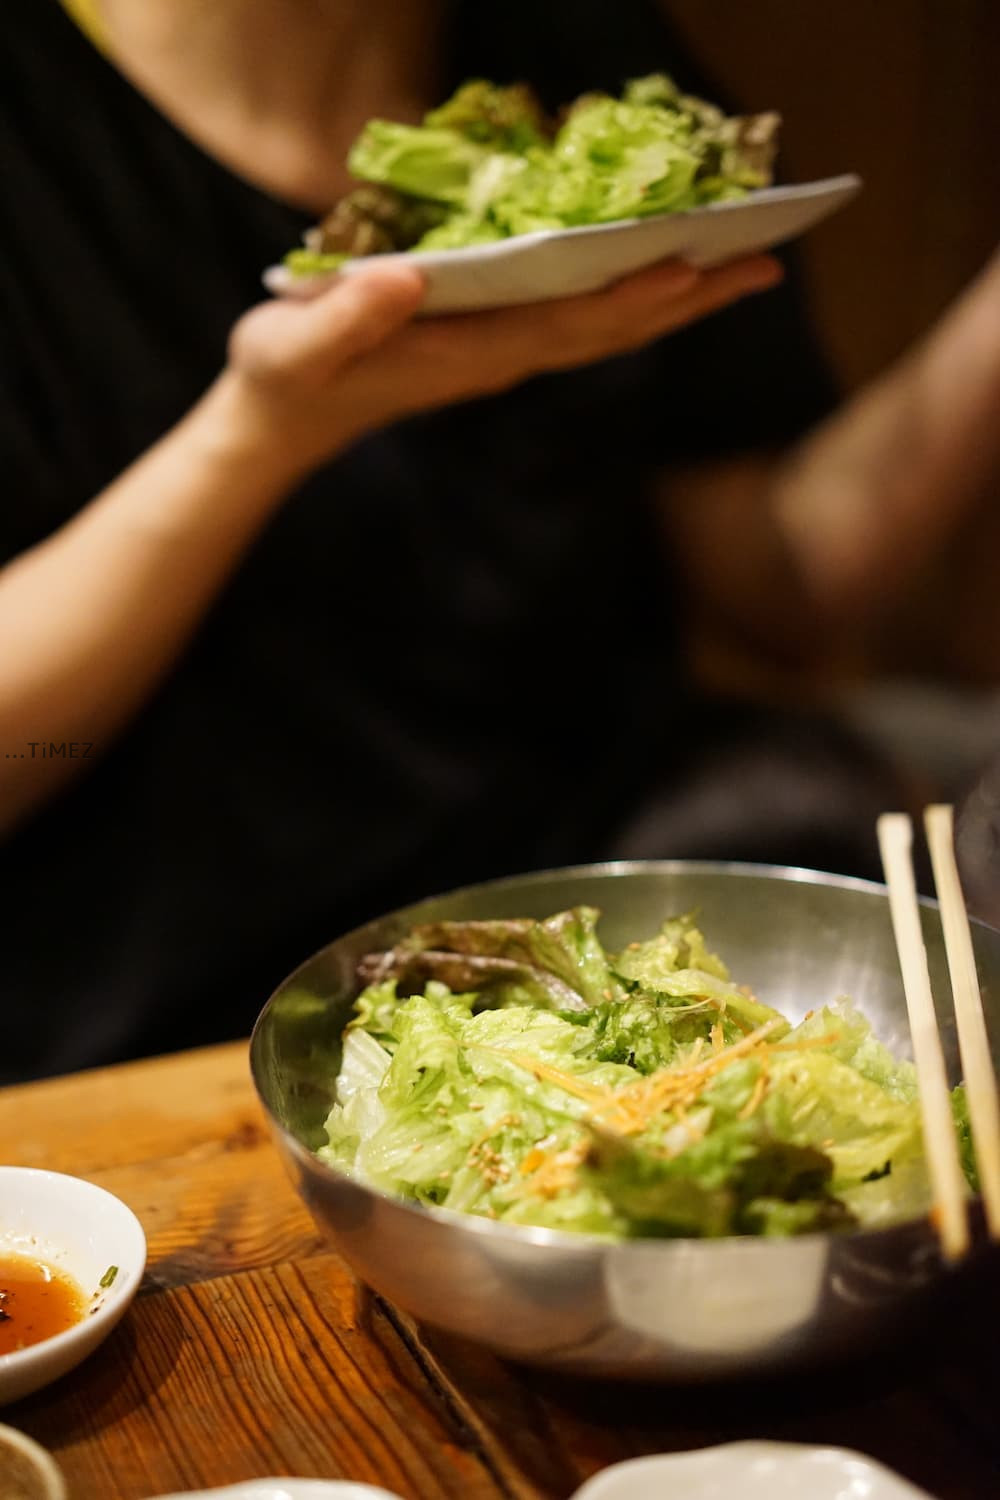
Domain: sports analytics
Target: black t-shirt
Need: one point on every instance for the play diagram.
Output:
(449, 656)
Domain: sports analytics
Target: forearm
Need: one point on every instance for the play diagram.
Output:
(93, 617)
(808, 555)
(746, 608)
(867, 501)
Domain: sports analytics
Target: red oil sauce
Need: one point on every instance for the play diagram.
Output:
(36, 1302)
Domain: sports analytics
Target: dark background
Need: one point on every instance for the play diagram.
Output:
(903, 92)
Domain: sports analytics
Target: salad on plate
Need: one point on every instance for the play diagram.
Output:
(490, 164)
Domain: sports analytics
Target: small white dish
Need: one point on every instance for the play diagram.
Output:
(564, 262)
(288, 1489)
(751, 1471)
(27, 1471)
(82, 1230)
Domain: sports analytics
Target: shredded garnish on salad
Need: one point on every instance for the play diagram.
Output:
(515, 1069)
(489, 164)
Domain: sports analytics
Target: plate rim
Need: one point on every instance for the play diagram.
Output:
(844, 186)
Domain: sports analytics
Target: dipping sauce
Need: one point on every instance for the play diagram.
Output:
(36, 1302)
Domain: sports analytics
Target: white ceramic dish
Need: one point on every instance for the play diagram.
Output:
(751, 1471)
(82, 1230)
(733, 1471)
(288, 1489)
(559, 263)
(27, 1471)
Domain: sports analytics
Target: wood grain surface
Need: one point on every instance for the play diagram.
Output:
(250, 1349)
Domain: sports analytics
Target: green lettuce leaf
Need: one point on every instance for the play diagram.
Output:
(313, 262)
(901, 1191)
(815, 1099)
(374, 1012)
(421, 160)
(625, 161)
(647, 1032)
(963, 1128)
(677, 963)
(854, 1043)
(359, 1112)
(509, 118)
(733, 1180)
(736, 152)
(459, 231)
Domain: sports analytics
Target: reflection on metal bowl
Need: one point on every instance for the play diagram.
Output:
(651, 1309)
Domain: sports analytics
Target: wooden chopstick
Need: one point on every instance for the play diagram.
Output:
(895, 838)
(973, 1039)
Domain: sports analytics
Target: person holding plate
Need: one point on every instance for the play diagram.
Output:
(310, 609)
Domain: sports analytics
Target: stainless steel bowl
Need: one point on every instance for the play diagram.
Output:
(661, 1309)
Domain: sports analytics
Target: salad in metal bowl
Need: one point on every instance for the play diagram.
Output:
(514, 1069)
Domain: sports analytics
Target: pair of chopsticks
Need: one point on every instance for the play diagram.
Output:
(895, 838)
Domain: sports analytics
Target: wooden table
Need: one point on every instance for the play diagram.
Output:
(250, 1350)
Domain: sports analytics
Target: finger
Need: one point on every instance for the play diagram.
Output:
(509, 343)
(644, 308)
(360, 312)
(597, 325)
(668, 280)
(478, 353)
(719, 288)
(312, 339)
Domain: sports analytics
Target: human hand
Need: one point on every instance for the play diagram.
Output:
(309, 378)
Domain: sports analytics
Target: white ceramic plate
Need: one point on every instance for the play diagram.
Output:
(751, 1471)
(559, 263)
(27, 1471)
(288, 1489)
(80, 1229)
(734, 1471)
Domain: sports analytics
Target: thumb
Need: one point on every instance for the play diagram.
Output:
(313, 339)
